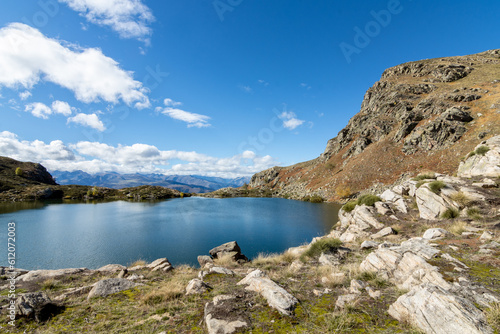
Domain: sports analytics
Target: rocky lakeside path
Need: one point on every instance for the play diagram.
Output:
(420, 257)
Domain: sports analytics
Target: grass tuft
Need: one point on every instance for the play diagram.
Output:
(425, 176)
(481, 150)
(327, 245)
(368, 199)
(474, 213)
(493, 316)
(349, 206)
(458, 227)
(461, 198)
(450, 213)
(436, 186)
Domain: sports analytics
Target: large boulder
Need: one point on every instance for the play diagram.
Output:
(437, 311)
(36, 306)
(276, 296)
(430, 205)
(160, 264)
(396, 199)
(229, 248)
(225, 315)
(197, 287)
(109, 286)
(483, 165)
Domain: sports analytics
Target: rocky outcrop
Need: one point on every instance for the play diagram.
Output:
(435, 310)
(197, 287)
(230, 249)
(485, 160)
(417, 117)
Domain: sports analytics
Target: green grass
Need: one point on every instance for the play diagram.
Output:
(474, 213)
(450, 213)
(327, 245)
(436, 186)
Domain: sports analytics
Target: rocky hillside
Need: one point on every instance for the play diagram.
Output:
(423, 115)
(27, 181)
(14, 174)
(421, 257)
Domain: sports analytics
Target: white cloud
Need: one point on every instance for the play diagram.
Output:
(193, 120)
(89, 120)
(263, 82)
(24, 95)
(63, 108)
(28, 57)
(246, 89)
(171, 103)
(129, 18)
(290, 120)
(39, 110)
(306, 86)
(94, 157)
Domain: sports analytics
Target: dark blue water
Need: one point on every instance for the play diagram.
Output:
(54, 236)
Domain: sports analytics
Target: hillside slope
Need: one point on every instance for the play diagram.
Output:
(15, 174)
(423, 115)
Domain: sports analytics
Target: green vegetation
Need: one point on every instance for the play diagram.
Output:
(481, 150)
(366, 199)
(461, 198)
(313, 199)
(349, 206)
(425, 176)
(436, 186)
(330, 166)
(450, 213)
(327, 245)
(474, 213)
(19, 171)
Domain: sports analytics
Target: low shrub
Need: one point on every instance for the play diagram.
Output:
(327, 245)
(343, 191)
(368, 199)
(425, 176)
(450, 213)
(481, 150)
(436, 186)
(19, 171)
(493, 316)
(349, 206)
(316, 199)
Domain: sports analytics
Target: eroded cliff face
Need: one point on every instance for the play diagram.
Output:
(424, 115)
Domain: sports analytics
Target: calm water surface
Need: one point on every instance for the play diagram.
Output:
(53, 236)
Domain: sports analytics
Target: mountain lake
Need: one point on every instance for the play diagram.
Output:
(62, 235)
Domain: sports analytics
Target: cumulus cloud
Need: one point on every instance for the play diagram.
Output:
(192, 119)
(246, 89)
(95, 157)
(129, 18)
(28, 57)
(290, 120)
(24, 95)
(41, 110)
(88, 120)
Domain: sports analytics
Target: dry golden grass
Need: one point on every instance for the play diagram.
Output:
(458, 227)
(266, 259)
(462, 199)
(138, 263)
(225, 260)
(493, 316)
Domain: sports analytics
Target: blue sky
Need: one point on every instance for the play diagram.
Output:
(221, 88)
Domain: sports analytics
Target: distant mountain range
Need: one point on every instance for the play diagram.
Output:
(184, 183)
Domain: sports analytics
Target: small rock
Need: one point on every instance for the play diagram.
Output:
(160, 264)
(375, 294)
(343, 300)
(320, 293)
(111, 268)
(491, 245)
(215, 270)
(204, 259)
(367, 244)
(221, 318)
(225, 248)
(435, 233)
(356, 286)
(296, 265)
(383, 233)
(329, 260)
(123, 273)
(486, 236)
(197, 287)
